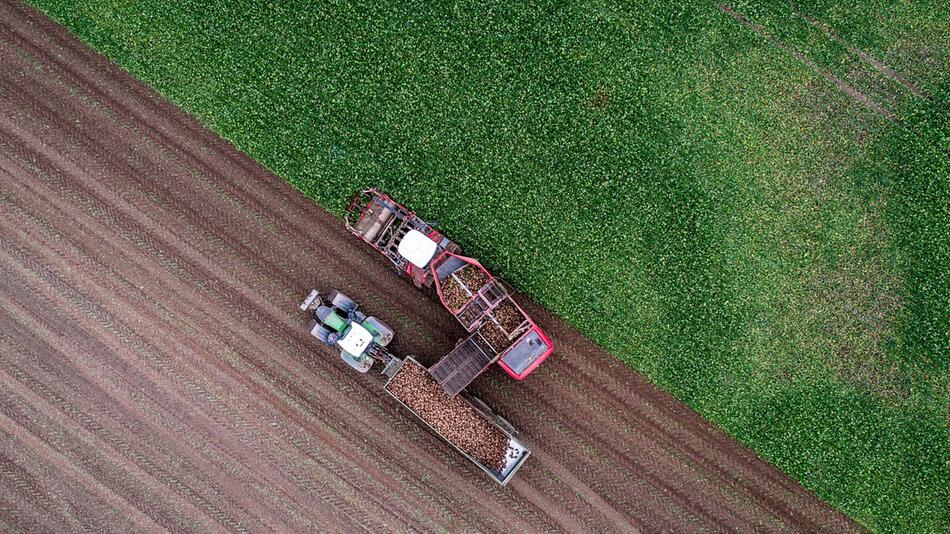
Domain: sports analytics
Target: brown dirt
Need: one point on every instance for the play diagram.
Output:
(450, 416)
(155, 373)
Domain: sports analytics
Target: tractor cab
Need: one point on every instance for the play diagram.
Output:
(356, 340)
(361, 339)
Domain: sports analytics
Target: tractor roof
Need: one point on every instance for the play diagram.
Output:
(356, 340)
(417, 248)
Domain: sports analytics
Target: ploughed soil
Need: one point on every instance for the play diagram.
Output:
(450, 416)
(156, 374)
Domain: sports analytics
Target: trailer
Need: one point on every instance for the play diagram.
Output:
(514, 453)
(465, 422)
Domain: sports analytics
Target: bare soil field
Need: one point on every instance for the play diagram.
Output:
(157, 375)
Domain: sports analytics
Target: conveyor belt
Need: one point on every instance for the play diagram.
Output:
(458, 369)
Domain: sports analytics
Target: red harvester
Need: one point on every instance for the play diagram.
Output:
(500, 330)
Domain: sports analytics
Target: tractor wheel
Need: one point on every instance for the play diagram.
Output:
(320, 332)
(342, 301)
(360, 364)
(384, 334)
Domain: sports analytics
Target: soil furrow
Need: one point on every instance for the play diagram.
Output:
(119, 413)
(40, 508)
(66, 211)
(27, 411)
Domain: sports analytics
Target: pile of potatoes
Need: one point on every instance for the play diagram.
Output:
(452, 417)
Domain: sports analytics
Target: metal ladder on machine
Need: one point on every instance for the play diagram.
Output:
(392, 247)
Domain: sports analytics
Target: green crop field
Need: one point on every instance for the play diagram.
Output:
(743, 202)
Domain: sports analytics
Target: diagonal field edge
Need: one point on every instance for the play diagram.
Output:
(631, 472)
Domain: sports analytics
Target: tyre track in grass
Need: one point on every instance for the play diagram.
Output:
(184, 261)
(878, 65)
(842, 85)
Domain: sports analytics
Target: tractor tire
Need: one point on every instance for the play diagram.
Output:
(320, 332)
(342, 302)
(385, 333)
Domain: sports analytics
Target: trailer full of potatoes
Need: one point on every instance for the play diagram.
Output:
(499, 332)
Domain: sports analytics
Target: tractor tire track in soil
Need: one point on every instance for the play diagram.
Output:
(156, 373)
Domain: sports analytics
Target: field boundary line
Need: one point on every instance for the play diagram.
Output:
(842, 85)
(879, 65)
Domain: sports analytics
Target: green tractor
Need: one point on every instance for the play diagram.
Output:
(362, 339)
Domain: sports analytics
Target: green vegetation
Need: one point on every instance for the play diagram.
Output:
(774, 252)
